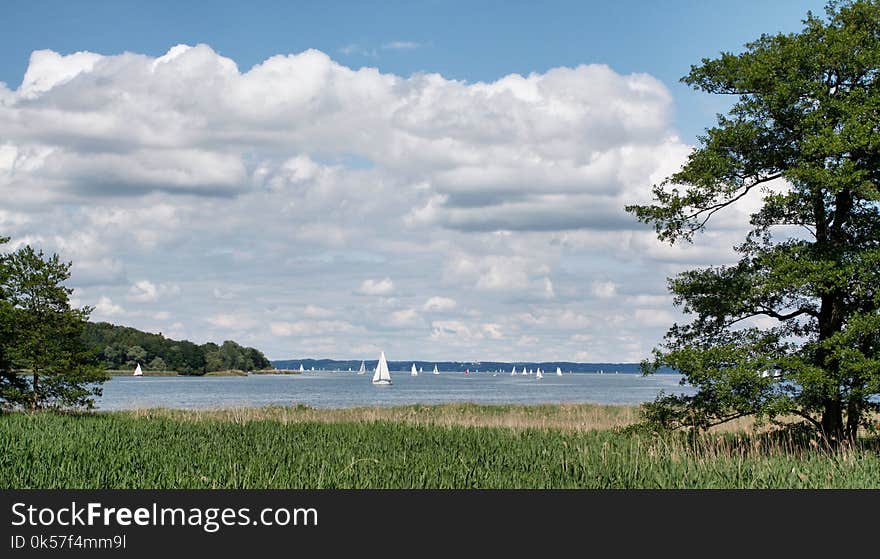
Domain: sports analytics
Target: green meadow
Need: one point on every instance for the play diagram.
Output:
(499, 447)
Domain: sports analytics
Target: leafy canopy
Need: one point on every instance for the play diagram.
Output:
(802, 134)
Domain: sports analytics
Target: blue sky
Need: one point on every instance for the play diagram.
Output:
(462, 40)
(438, 180)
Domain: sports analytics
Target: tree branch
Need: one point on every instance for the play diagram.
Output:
(721, 205)
(729, 418)
(773, 314)
(808, 418)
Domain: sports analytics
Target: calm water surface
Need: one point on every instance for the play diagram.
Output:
(326, 389)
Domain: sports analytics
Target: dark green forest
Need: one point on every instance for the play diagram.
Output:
(122, 347)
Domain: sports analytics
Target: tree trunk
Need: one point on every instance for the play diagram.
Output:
(34, 399)
(832, 422)
(831, 310)
(853, 418)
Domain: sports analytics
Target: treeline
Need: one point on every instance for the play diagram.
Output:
(123, 347)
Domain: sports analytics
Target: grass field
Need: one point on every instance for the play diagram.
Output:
(451, 446)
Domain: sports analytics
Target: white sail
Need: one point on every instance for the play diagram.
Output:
(558, 372)
(436, 372)
(413, 372)
(538, 374)
(363, 369)
(513, 372)
(382, 375)
(301, 369)
(137, 371)
(421, 370)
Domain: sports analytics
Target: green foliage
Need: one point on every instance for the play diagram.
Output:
(121, 347)
(128, 451)
(43, 336)
(806, 113)
(12, 386)
(157, 364)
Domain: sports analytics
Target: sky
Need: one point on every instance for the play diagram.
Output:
(438, 180)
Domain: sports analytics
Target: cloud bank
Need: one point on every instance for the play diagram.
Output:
(314, 209)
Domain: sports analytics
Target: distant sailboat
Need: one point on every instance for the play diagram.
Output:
(513, 372)
(137, 371)
(413, 372)
(421, 370)
(558, 372)
(301, 369)
(538, 375)
(436, 372)
(363, 369)
(382, 376)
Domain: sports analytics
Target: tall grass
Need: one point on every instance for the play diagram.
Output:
(577, 417)
(170, 450)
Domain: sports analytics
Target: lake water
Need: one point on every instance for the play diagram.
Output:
(345, 389)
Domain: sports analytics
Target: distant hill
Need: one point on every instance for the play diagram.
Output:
(547, 366)
(122, 347)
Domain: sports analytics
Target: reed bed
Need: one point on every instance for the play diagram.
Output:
(167, 449)
(569, 417)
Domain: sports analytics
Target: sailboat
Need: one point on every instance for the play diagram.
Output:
(413, 372)
(538, 375)
(363, 369)
(382, 376)
(421, 370)
(513, 372)
(137, 371)
(558, 372)
(436, 372)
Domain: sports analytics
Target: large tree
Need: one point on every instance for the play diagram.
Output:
(55, 368)
(805, 119)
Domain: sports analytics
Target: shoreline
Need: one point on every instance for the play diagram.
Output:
(226, 373)
(583, 416)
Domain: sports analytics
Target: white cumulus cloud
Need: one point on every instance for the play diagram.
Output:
(377, 287)
(277, 196)
(439, 304)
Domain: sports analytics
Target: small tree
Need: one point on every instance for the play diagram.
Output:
(48, 334)
(135, 354)
(808, 113)
(157, 364)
